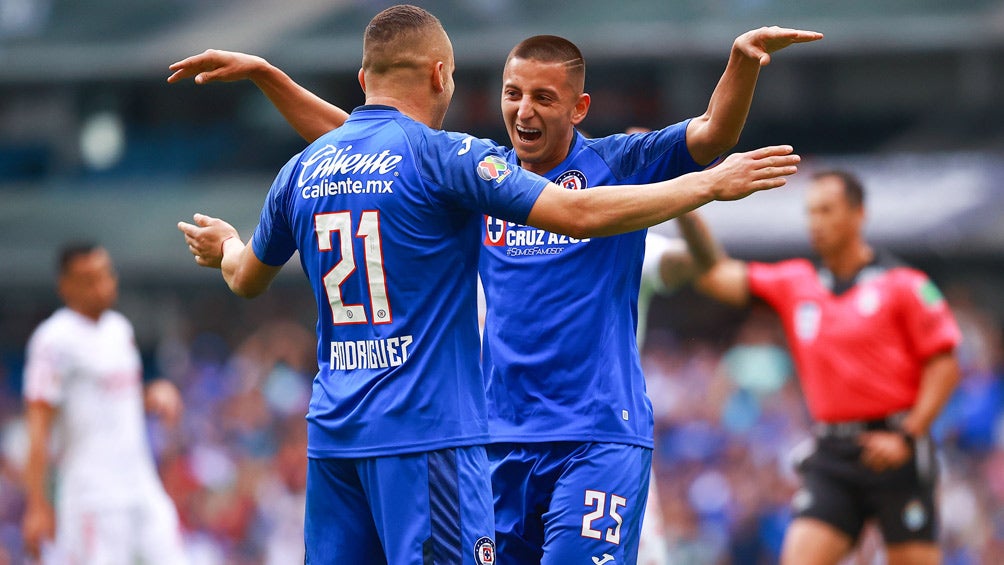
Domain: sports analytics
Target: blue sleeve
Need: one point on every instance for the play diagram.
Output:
(474, 174)
(648, 157)
(273, 242)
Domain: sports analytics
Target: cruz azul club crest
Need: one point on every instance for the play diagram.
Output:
(571, 180)
(484, 551)
(495, 229)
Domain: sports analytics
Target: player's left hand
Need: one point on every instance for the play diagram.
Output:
(884, 450)
(759, 43)
(206, 237)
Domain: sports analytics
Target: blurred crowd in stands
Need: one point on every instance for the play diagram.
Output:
(730, 421)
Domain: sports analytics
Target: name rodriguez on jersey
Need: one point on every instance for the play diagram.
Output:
(370, 353)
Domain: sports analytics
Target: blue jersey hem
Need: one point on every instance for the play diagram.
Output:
(319, 453)
(525, 438)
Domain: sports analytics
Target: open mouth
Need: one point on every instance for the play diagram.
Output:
(528, 134)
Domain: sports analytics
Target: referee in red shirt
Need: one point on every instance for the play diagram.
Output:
(874, 346)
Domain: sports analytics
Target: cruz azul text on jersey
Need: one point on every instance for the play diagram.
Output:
(500, 233)
(329, 161)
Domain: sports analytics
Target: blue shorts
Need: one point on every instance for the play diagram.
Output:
(558, 502)
(419, 508)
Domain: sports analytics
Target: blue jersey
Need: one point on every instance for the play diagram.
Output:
(559, 354)
(385, 213)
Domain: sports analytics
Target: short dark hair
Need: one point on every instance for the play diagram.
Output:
(854, 190)
(552, 49)
(71, 251)
(391, 26)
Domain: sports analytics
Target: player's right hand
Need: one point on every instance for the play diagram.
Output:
(38, 526)
(742, 174)
(213, 65)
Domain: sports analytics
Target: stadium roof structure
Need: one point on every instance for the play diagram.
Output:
(918, 204)
(52, 40)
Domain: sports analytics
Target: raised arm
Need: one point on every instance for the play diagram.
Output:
(717, 130)
(603, 211)
(309, 115)
(216, 244)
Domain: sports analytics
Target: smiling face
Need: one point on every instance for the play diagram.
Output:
(542, 100)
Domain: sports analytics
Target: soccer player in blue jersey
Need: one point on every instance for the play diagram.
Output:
(385, 213)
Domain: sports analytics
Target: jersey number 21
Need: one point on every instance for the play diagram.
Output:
(369, 231)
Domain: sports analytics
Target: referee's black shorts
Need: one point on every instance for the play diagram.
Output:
(837, 488)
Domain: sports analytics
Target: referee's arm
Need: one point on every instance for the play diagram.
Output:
(937, 382)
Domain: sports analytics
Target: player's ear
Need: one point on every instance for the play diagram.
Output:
(362, 79)
(439, 78)
(581, 108)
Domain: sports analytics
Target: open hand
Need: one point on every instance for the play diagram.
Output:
(206, 237)
(742, 174)
(760, 43)
(213, 65)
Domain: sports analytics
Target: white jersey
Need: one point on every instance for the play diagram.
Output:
(91, 373)
(651, 280)
(653, 548)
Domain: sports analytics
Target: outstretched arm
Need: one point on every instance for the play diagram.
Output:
(717, 130)
(216, 244)
(603, 211)
(676, 265)
(309, 115)
(719, 276)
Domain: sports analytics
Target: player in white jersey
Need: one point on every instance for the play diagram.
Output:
(668, 265)
(84, 392)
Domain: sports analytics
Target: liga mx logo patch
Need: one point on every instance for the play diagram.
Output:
(494, 231)
(571, 180)
(494, 168)
(484, 551)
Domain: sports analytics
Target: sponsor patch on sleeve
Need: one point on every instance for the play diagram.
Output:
(494, 168)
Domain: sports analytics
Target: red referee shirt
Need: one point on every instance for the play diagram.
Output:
(859, 353)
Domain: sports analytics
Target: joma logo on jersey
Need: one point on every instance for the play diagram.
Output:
(495, 231)
(494, 168)
(572, 180)
(330, 160)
